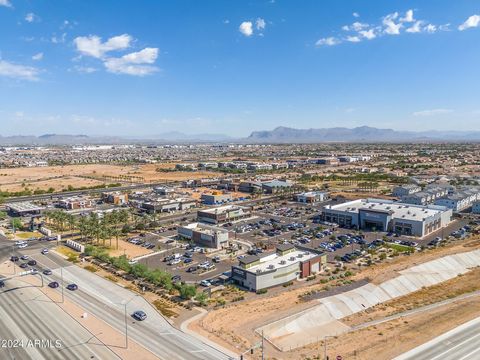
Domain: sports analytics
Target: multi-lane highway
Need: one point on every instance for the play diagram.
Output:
(34, 327)
(106, 301)
(461, 343)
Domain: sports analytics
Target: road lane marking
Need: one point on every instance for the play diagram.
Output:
(454, 347)
(470, 353)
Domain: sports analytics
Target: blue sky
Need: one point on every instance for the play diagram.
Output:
(148, 67)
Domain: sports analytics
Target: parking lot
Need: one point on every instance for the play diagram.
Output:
(269, 226)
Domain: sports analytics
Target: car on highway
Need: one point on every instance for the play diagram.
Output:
(53, 285)
(32, 263)
(22, 246)
(14, 258)
(139, 315)
(19, 242)
(72, 287)
(24, 265)
(44, 251)
(47, 272)
(216, 259)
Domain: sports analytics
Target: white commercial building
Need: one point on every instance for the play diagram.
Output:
(386, 215)
(204, 235)
(287, 263)
(312, 197)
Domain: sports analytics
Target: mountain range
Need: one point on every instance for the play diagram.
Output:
(280, 134)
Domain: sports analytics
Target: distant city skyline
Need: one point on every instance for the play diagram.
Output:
(125, 68)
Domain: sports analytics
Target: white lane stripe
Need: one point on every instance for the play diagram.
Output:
(454, 347)
(470, 353)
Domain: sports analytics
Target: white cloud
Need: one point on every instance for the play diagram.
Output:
(391, 27)
(355, 14)
(31, 17)
(430, 28)
(246, 28)
(472, 22)
(368, 34)
(330, 41)
(5, 3)
(38, 56)
(93, 46)
(136, 63)
(59, 39)
(85, 69)
(260, 24)
(433, 112)
(415, 28)
(408, 17)
(353, 39)
(356, 26)
(16, 71)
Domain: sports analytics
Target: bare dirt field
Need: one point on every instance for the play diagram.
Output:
(234, 325)
(60, 177)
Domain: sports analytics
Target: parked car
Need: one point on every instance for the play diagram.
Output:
(14, 258)
(205, 283)
(192, 269)
(53, 285)
(47, 272)
(32, 263)
(216, 259)
(24, 265)
(45, 251)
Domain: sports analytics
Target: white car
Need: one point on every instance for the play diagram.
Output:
(22, 246)
(175, 261)
(205, 283)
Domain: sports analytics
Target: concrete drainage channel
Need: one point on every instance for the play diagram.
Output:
(313, 324)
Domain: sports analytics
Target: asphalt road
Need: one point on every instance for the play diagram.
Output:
(27, 315)
(461, 343)
(105, 300)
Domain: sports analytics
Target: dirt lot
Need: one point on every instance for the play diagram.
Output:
(390, 339)
(60, 177)
(234, 324)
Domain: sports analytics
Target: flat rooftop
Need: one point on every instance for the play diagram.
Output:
(400, 210)
(275, 261)
(21, 207)
(222, 209)
(204, 229)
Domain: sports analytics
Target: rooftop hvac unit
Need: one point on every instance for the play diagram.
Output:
(271, 266)
(292, 258)
(259, 271)
(283, 262)
(299, 256)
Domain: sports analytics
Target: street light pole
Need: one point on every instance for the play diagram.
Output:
(126, 321)
(13, 254)
(61, 275)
